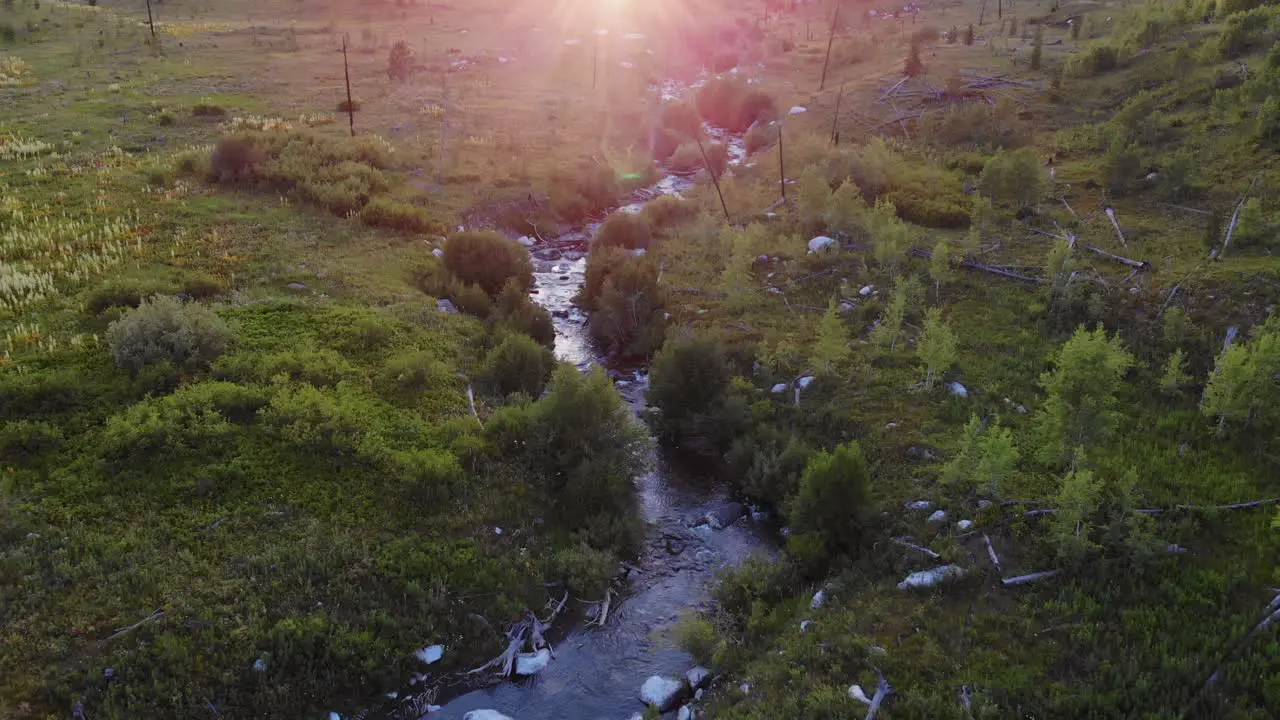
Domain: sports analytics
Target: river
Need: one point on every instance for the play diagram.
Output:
(597, 671)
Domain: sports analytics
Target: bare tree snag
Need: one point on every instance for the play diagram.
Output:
(706, 162)
(1137, 264)
(125, 630)
(917, 548)
(1030, 578)
(1235, 217)
(835, 118)
(346, 74)
(883, 690)
(831, 37)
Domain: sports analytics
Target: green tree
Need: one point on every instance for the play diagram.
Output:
(813, 197)
(1227, 393)
(1057, 268)
(834, 500)
(1014, 178)
(831, 351)
(1174, 376)
(846, 210)
(1080, 411)
(940, 267)
(487, 259)
(889, 328)
(1078, 501)
(985, 459)
(936, 347)
(890, 235)
(400, 61)
(737, 280)
(518, 364)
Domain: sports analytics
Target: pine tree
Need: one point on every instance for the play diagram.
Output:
(985, 459)
(1175, 373)
(737, 280)
(1078, 501)
(936, 347)
(890, 326)
(940, 267)
(891, 235)
(1037, 49)
(846, 210)
(832, 349)
(1080, 411)
(813, 195)
(968, 35)
(1226, 394)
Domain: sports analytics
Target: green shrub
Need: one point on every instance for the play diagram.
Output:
(21, 441)
(416, 371)
(209, 111)
(624, 230)
(489, 260)
(165, 329)
(472, 300)
(385, 212)
(834, 501)
(123, 294)
(517, 365)
(601, 263)
(697, 637)
(733, 104)
(689, 385)
(1014, 178)
(759, 137)
(586, 190)
(199, 286)
(161, 427)
(629, 317)
(668, 211)
(400, 61)
(7, 34)
(352, 106)
(235, 159)
(687, 159)
(430, 477)
(338, 422)
(1097, 59)
(585, 571)
(681, 118)
(516, 311)
(321, 368)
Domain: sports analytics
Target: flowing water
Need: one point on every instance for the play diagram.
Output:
(597, 671)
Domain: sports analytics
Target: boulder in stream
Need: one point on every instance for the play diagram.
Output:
(686, 713)
(532, 663)
(661, 692)
(697, 676)
(430, 654)
(725, 514)
(485, 715)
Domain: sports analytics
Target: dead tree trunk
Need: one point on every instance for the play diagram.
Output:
(346, 74)
(835, 18)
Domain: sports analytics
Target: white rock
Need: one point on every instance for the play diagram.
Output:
(745, 688)
(638, 252)
(485, 715)
(661, 692)
(697, 697)
(822, 243)
(964, 524)
(779, 388)
(938, 516)
(804, 625)
(437, 252)
(334, 716)
(527, 241)
(697, 676)
(430, 654)
(855, 692)
(867, 290)
(447, 307)
(957, 389)
(804, 382)
(797, 110)
(260, 665)
(819, 599)
(497, 531)
(984, 504)
(891, 426)
(686, 713)
(532, 663)
(919, 505)
(876, 650)
(931, 578)
(1021, 410)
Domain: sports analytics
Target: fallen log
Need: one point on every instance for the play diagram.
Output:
(471, 400)
(1174, 291)
(883, 690)
(1111, 215)
(1235, 218)
(1138, 264)
(917, 548)
(125, 630)
(991, 552)
(994, 270)
(1269, 616)
(1030, 578)
(1233, 506)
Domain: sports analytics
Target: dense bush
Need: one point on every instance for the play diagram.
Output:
(321, 368)
(733, 104)
(164, 329)
(667, 212)
(834, 500)
(517, 365)
(624, 230)
(489, 260)
(208, 110)
(1098, 58)
(589, 189)
(584, 570)
(689, 385)
(697, 637)
(388, 213)
(235, 159)
(123, 294)
(1014, 178)
(759, 137)
(629, 317)
(516, 311)
(21, 441)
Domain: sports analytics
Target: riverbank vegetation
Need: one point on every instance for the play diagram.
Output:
(1014, 317)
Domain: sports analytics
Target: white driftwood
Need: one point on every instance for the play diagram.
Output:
(991, 552)
(1029, 578)
(1111, 214)
(1269, 616)
(1138, 264)
(471, 400)
(917, 548)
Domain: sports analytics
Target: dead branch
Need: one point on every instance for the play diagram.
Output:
(1063, 198)
(121, 631)
(471, 400)
(1235, 216)
(554, 613)
(994, 270)
(1111, 215)
(1234, 506)
(883, 690)
(1270, 615)
(1177, 285)
(917, 548)
(1139, 264)
(991, 552)
(1184, 208)
(1024, 579)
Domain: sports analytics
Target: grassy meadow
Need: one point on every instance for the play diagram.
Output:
(257, 494)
